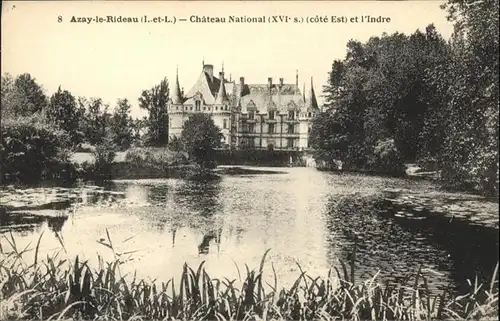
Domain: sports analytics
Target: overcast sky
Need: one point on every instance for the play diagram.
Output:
(119, 60)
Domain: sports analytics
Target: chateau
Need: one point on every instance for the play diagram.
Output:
(263, 116)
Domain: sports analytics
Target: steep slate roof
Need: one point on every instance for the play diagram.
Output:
(289, 96)
(311, 102)
(222, 94)
(176, 93)
(265, 100)
(209, 88)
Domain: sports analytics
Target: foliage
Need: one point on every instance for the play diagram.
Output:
(376, 93)
(21, 96)
(327, 139)
(470, 148)
(200, 137)
(175, 144)
(64, 112)
(104, 156)
(32, 149)
(96, 119)
(69, 288)
(438, 101)
(122, 125)
(155, 102)
(386, 158)
(155, 157)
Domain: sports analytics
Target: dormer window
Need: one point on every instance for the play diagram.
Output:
(251, 115)
(271, 114)
(291, 115)
(198, 105)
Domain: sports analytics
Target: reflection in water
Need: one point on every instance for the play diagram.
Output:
(303, 216)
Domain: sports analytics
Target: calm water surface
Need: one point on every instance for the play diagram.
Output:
(304, 216)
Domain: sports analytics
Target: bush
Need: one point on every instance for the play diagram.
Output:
(387, 159)
(104, 156)
(158, 158)
(32, 150)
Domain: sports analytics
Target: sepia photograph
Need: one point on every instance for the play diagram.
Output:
(249, 160)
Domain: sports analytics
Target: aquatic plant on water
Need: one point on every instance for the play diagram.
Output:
(58, 288)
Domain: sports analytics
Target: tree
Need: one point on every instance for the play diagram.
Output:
(63, 112)
(155, 102)
(470, 153)
(200, 137)
(96, 120)
(122, 125)
(22, 96)
(378, 94)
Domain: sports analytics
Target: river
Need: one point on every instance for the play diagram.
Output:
(305, 217)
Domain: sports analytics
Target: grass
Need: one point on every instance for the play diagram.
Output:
(58, 288)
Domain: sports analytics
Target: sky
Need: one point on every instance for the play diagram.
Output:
(119, 60)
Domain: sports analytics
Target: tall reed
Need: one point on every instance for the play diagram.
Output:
(56, 288)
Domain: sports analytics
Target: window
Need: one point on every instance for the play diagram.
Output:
(198, 105)
(251, 115)
(224, 122)
(271, 115)
(216, 108)
(291, 115)
(251, 128)
(225, 107)
(289, 143)
(251, 143)
(290, 128)
(271, 129)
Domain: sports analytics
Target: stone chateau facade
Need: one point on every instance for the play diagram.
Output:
(262, 116)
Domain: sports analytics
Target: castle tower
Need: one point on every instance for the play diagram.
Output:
(222, 98)
(176, 93)
(312, 103)
(176, 109)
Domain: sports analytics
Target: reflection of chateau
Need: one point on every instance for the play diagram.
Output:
(276, 116)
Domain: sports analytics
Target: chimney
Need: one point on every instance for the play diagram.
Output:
(221, 77)
(270, 82)
(209, 69)
(242, 85)
(281, 82)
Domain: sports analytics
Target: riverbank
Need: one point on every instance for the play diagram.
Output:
(68, 289)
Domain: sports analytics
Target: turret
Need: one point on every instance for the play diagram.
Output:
(177, 94)
(209, 70)
(311, 102)
(221, 95)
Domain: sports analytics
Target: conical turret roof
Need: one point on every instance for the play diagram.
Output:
(221, 94)
(176, 94)
(311, 101)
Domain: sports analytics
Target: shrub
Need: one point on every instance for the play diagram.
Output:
(158, 158)
(32, 149)
(104, 155)
(387, 159)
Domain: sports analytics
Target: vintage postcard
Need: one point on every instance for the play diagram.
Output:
(244, 160)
